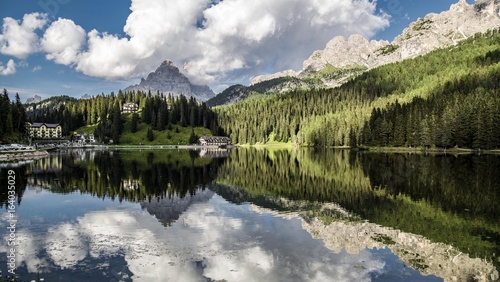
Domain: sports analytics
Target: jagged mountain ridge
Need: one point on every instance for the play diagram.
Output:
(168, 79)
(419, 38)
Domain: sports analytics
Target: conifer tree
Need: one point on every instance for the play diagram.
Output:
(192, 138)
(150, 135)
(133, 122)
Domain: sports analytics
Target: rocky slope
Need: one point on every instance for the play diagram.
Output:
(231, 95)
(422, 36)
(168, 79)
(36, 99)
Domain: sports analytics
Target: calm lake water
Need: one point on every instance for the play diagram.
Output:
(254, 215)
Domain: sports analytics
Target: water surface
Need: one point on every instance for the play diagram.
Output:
(255, 215)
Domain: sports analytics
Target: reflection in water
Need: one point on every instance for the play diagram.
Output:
(440, 205)
(341, 230)
(438, 214)
(167, 211)
(215, 153)
(214, 239)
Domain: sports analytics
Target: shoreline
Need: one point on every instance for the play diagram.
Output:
(418, 150)
(9, 156)
(170, 147)
(6, 156)
(421, 150)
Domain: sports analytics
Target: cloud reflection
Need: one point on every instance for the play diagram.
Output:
(65, 246)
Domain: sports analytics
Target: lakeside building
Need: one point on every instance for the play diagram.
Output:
(41, 130)
(214, 140)
(83, 139)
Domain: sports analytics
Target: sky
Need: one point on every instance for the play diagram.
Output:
(70, 47)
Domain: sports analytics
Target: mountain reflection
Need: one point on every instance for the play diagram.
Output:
(167, 211)
(445, 198)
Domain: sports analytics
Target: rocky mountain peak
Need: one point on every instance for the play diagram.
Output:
(420, 37)
(459, 7)
(167, 63)
(167, 78)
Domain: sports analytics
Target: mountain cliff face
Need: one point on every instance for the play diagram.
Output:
(421, 37)
(168, 79)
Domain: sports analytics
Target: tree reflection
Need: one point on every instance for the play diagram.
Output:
(132, 176)
(20, 183)
(449, 199)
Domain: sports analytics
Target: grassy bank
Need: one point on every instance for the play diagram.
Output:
(177, 135)
(276, 145)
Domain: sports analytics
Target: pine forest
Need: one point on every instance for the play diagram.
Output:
(447, 98)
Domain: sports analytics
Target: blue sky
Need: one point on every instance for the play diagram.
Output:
(92, 47)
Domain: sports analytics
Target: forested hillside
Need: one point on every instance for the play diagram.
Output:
(157, 111)
(450, 97)
(446, 98)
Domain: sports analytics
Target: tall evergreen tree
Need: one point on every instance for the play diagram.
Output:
(193, 138)
(162, 116)
(150, 135)
(4, 113)
(117, 124)
(133, 122)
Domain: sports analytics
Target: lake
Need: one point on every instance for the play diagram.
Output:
(252, 215)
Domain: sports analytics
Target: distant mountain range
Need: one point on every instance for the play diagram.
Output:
(343, 59)
(168, 79)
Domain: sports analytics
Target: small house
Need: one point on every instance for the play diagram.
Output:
(214, 140)
(130, 108)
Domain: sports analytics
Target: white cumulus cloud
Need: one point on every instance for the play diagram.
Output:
(216, 42)
(220, 41)
(156, 30)
(62, 41)
(19, 39)
(9, 69)
(251, 36)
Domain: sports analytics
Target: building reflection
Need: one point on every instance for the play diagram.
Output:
(51, 164)
(130, 184)
(214, 153)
